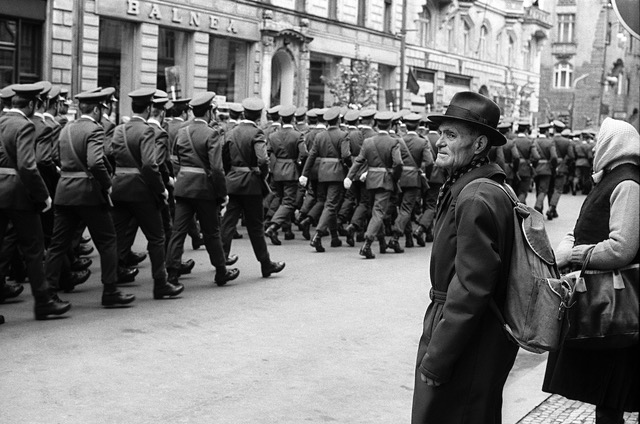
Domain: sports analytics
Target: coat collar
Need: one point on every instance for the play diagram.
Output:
(491, 171)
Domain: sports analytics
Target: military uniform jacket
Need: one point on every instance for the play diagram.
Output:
(287, 149)
(584, 154)
(437, 175)
(331, 151)
(511, 158)
(173, 127)
(44, 146)
(367, 132)
(21, 185)
(55, 136)
(245, 159)
(528, 155)
(302, 127)
(380, 157)
(271, 128)
(163, 158)
(355, 137)
(137, 176)
(309, 139)
(548, 156)
(62, 120)
(416, 156)
(566, 154)
(75, 187)
(194, 181)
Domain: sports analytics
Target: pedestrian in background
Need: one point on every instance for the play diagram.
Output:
(464, 356)
(608, 223)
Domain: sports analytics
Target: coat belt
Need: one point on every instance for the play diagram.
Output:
(173, 158)
(127, 171)
(409, 168)
(377, 169)
(330, 159)
(438, 296)
(244, 169)
(73, 174)
(8, 171)
(192, 169)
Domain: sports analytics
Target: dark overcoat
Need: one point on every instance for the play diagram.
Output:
(463, 345)
(287, 150)
(331, 152)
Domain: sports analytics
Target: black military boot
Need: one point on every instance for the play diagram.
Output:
(305, 226)
(111, 296)
(383, 244)
(428, 236)
(186, 267)
(418, 234)
(289, 235)
(408, 239)
(231, 259)
(365, 250)
(163, 288)
(70, 280)
(127, 275)
(351, 230)
(272, 233)
(133, 258)
(341, 230)
(270, 267)
(335, 239)
(395, 244)
(223, 276)
(9, 290)
(50, 305)
(316, 242)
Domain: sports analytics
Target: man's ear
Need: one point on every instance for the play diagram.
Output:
(481, 144)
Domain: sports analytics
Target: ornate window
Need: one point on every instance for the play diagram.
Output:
(424, 27)
(483, 52)
(562, 75)
(511, 51)
(466, 37)
(565, 27)
(451, 34)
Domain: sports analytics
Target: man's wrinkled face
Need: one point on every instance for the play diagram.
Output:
(456, 145)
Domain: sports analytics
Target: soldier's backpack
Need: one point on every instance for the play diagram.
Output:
(535, 311)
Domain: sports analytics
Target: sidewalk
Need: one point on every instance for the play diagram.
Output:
(559, 410)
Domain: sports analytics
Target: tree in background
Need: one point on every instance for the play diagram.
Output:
(354, 85)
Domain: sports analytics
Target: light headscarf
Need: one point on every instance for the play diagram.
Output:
(617, 142)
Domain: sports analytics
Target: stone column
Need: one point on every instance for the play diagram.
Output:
(200, 63)
(265, 68)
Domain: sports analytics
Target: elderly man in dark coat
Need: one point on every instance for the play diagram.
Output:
(464, 356)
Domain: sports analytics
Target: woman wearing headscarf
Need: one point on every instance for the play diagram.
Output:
(608, 224)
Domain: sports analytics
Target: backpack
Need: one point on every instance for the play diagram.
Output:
(535, 310)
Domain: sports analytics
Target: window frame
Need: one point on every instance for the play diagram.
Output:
(563, 70)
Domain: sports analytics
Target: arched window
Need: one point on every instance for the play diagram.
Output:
(424, 27)
(482, 43)
(499, 54)
(451, 34)
(562, 75)
(511, 51)
(466, 37)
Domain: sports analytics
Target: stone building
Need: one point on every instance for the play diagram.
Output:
(279, 49)
(590, 67)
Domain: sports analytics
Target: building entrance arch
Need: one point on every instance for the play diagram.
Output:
(282, 78)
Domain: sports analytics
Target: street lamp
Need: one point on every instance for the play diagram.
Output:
(573, 98)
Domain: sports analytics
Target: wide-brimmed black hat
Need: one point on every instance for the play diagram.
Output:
(477, 110)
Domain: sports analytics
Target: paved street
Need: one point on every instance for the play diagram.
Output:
(331, 339)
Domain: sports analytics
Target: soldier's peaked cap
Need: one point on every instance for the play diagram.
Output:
(254, 104)
(558, 124)
(7, 92)
(54, 92)
(274, 109)
(287, 111)
(544, 126)
(351, 115)
(91, 96)
(383, 116)
(300, 112)
(202, 99)
(367, 113)
(27, 90)
(313, 113)
(142, 95)
(45, 88)
(412, 117)
(236, 107)
(110, 92)
(331, 114)
(178, 102)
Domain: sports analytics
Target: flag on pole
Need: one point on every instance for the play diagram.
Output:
(412, 82)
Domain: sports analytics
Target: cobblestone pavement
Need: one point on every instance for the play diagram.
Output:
(559, 410)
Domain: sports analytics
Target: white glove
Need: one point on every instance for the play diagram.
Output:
(109, 190)
(165, 194)
(303, 180)
(225, 202)
(363, 177)
(172, 181)
(48, 203)
(347, 183)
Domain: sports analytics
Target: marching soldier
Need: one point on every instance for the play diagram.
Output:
(331, 151)
(529, 158)
(138, 190)
(584, 158)
(273, 121)
(510, 155)
(200, 190)
(545, 169)
(287, 149)
(62, 118)
(23, 194)
(246, 164)
(301, 123)
(83, 195)
(382, 156)
(566, 159)
(352, 196)
(417, 161)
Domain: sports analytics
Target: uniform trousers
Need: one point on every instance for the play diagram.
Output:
(310, 198)
(8, 249)
(409, 198)
(543, 183)
(556, 188)
(522, 189)
(349, 203)
(50, 177)
(287, 191)
(100, 224)
(207, 212)
(362, 212)
(148, 216)
(381, 199)
(331, 194)
(251, 207)
(28, 227)
(430, 199)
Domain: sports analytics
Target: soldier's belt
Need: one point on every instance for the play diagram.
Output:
(173, 158)
(244, 169)
(329, 160)
(127, 171)
(192, 169)
(543, 161)
(409, 168)
(8, 171)
(70, 174)
(377, 169)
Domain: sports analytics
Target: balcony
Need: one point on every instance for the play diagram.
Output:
(535, 16)
(564, 49)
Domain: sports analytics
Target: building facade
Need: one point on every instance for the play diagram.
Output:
(591, 67)
(279, 49)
